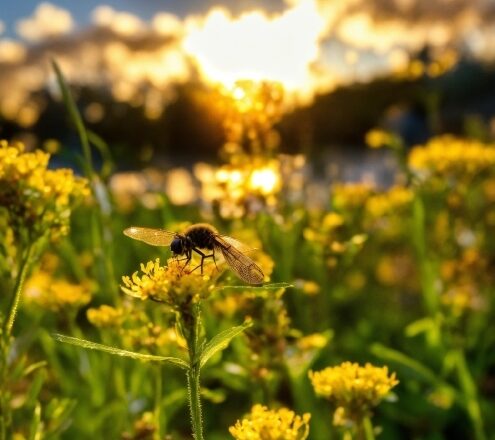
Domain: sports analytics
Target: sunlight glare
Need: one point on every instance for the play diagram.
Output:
(258, 47)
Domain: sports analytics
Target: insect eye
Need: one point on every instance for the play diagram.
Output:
(176, 246)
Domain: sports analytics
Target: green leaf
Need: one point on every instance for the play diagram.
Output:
(35, 388)
(221, 342)
(119, 352)
(108, 163)
(33, 367)
(420, 326)
(36, 428)
(77, 120)
(272, 286)
(395, 356)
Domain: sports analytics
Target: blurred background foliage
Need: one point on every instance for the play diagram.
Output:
(352, 192)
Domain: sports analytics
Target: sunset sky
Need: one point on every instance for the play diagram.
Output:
(309, 46)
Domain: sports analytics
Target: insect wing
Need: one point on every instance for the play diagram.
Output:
(152, 236)
(244, 248)
(245, 268)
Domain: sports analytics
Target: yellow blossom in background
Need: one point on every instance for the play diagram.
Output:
(389, 202)
(55, 294)
(37, 199)
(489, 189)
(377, 138)
(173, 284)
(396, 270)
(450, 157)
(311, 288)
(134, 328)
(351, 195)
(309, 342)
(264, 424)
(352, 387)
(105, 316)
(332, 221)
(461, 298)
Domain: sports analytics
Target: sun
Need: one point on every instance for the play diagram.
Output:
(258, 47)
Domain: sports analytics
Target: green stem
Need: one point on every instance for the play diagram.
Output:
(195, 402)
(470, 392)
(192, 324)
(368, 429)
(158, 402)
(8, 324)
(14, 301)
(426, 270)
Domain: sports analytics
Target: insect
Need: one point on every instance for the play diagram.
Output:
(197, 238)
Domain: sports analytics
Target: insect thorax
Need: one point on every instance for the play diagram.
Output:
(201, 235)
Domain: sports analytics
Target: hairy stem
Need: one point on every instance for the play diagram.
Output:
(14, 301)
(193, 385)
(192, 324)
(7, 326)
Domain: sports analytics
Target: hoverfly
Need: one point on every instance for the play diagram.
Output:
(197, 238)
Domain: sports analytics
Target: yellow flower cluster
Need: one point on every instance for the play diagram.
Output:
(35, 197)
(462, 281)
(135, 330)
(105, 316)
(234, 187)
(265, 424)
(352, 387)
(388, 202)
(447, 156)
(351, 195)
(377, 138)
(174, 284)
(55, 294)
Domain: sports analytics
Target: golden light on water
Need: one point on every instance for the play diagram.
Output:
(258, 47)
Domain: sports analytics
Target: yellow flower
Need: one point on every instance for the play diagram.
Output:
(351, 195)
(377, 138)
(36, 198)
(311, 288)
(265, 424)
(310, 342)
(352, 387)
(392, 201)
(174, 284)
(448, 156)
(55, 294)
(332, 221)
(104, 316)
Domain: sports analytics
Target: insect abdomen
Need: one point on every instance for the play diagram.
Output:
(201, 235)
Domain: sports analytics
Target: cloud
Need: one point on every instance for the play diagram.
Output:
(2, 27)
(382, 25)
(123, 23)
(47, 21)
(11, 51)
(141, 62)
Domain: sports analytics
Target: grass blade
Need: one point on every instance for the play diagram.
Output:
(397, 357)
(75, 116)
(119, 352)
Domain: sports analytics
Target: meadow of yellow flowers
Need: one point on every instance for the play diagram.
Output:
(375, 319)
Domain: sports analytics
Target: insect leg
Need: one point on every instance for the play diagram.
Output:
(203, 256)
(187, 258)
(214, 259)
